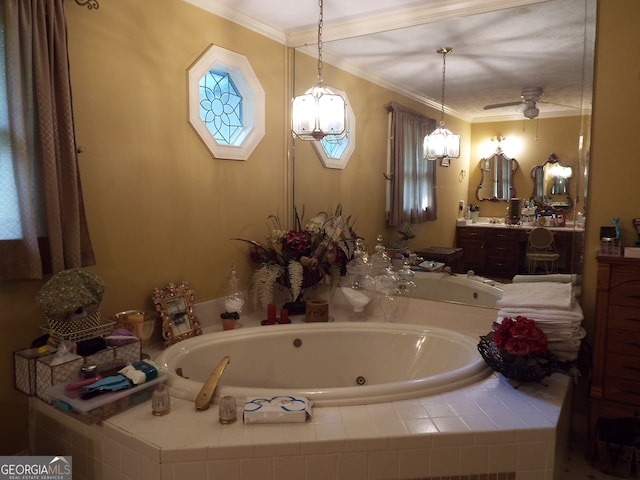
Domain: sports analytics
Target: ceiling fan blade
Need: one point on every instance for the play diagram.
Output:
(498, 105)
(560, 104)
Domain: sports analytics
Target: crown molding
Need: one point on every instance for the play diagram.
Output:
(402, 18)
(240, 18)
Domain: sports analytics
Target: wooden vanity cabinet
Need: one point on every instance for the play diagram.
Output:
(490, 251)
(615, 376)
(500, 251)
(472, 241)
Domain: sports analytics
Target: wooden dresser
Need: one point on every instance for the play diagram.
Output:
(615, 377)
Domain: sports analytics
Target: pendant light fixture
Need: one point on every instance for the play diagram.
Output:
(441, 143)
(320, 111)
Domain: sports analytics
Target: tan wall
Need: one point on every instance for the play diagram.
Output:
(615, 164)
(161, 209)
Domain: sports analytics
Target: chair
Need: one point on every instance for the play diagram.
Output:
(542, 251)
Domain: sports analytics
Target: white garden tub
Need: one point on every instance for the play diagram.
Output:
(456, 288)
(332, 364)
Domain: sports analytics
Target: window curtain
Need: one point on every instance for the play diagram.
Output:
(413, 179)
(53, 230)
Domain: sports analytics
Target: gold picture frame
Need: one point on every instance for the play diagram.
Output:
(174, 303)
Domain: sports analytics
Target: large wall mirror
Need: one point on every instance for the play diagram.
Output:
(496, 183)
(551, 182)
(361, 187)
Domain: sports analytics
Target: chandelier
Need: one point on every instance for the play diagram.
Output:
(320, 112)
(441, 143)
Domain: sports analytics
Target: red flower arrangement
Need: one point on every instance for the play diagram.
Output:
(520, 337)
(517, 349)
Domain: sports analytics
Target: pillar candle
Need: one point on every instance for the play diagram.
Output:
(271, 312)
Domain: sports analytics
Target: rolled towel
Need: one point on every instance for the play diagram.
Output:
(550, 295)
(552, 277)
(559, 317)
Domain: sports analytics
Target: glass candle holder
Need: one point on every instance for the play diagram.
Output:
(227, 409)
(160, 401)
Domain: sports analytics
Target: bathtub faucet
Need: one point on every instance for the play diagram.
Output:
(203, 400)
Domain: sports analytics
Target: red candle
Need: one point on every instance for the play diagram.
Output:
(271, 312)
(284, 316)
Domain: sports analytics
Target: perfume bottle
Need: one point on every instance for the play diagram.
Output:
(235, 299)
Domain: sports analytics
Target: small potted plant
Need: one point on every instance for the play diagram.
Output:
(229, 320)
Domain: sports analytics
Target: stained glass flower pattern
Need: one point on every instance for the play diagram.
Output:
(220, 106)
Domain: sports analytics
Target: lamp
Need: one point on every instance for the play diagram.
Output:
(441, 143)
(320, 111)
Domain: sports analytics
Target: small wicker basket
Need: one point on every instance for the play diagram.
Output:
(74, 327)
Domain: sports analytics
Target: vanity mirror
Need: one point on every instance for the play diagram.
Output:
(551, 185)
(496, 182)
(174, 303)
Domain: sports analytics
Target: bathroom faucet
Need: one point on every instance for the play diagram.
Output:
(203, 400)
(448, 270)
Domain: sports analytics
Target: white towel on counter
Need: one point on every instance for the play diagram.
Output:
(543, 315)
(549, 295)
(563, 340)
(551, 277)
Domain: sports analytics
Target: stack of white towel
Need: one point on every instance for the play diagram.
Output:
(555, 310)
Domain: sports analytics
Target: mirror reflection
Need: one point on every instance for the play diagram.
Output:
(551, 184)
(361, 187)
(497, 177)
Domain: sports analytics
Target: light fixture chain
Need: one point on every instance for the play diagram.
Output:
(320, 23)
(444, 70)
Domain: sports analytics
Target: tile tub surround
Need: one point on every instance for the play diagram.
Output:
(488, 427)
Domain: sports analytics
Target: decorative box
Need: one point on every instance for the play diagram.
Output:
(100, 357)
(632, 252)
(49, 372)
(24, 369)
(130, 352)
(280, 409)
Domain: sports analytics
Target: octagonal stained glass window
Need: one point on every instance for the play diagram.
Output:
(226, 103)
(220, 106)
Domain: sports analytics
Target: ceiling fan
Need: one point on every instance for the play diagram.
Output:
(527, 102)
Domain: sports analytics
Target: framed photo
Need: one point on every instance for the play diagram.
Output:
(174, 303)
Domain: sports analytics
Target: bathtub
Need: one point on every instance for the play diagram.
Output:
(455, 288)
(332, 364)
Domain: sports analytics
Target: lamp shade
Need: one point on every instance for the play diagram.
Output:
(318, 113)
(441, 143)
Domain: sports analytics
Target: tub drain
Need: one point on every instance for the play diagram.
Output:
(361, 380)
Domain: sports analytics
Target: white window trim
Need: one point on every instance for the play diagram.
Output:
(253, 102)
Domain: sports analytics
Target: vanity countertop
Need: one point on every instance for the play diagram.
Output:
(517, 227)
